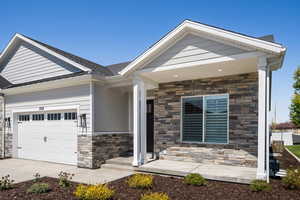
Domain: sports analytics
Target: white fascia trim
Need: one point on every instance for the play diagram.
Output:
(66, 82)
(44, 49)
(258, 43)
(216, 32)
(153, 49)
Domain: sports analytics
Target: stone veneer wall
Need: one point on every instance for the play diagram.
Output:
(95, 150)
(8, 135)
(243, 120)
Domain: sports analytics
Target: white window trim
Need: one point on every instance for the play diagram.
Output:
(203, 132)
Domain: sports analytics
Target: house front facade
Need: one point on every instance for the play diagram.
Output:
(199, 94)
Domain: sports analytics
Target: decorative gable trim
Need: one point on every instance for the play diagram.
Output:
(190, 26)
(21, 37)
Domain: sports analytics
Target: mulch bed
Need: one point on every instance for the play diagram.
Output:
(177, 190)
(174, 187)
(18, 191)
(286, 161)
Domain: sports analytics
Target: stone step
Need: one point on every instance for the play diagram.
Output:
(118, 167)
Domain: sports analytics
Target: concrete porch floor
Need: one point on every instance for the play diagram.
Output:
(178, 168)
(208, 171)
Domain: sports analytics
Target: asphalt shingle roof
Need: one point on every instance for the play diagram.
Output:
(4, 83)
(115, 68)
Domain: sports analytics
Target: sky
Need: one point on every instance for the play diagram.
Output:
(109, 32)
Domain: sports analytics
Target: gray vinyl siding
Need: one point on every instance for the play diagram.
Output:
(193, 48)
(111, 110)
(28, 63)
(68, 96)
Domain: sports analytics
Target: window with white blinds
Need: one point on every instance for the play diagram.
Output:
(205, 119)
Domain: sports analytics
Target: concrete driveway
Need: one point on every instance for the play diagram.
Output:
(23, 170)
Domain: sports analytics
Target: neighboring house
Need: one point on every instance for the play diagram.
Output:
(199, 94)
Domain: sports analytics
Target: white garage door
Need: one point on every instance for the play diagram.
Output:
(48, 136)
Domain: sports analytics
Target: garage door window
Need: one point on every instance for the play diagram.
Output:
(23, 118)
(70, 116)
(38, 117)
(54, 116)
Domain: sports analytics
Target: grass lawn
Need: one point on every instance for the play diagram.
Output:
(295, 149)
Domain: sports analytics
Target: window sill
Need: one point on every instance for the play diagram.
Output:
(187, 142)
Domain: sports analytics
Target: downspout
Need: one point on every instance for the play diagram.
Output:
(3, 126)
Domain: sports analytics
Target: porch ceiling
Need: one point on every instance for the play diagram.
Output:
(219, 69)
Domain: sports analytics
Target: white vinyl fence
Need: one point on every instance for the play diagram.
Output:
(286, 137)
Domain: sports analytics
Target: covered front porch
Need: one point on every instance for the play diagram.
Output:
(211, 94)
(242, 156)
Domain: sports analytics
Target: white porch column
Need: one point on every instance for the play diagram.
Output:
(262, 118)
(143, 130)
(139, 122)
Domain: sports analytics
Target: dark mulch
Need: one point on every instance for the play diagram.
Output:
(286, 161)
(18, 191)
(177, 190)
(174, 187)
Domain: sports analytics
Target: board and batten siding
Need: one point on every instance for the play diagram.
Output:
(28, 63)
(192, 48)
(68, 96)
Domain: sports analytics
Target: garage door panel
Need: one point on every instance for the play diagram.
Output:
(48, 140)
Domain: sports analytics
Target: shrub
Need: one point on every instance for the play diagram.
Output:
(140, 181)
(65, 178)
(80, 191)
(292, 179)
(195, 179)
(39, 188)
(94, 192)
(6, 183)
(155, 196)
(260, 185)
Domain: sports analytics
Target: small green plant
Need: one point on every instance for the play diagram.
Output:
(155, 196)
(37, 177)
(39, 188)
(94, 192)
(65, 179)
(260, 185)
(140, 181)
(292, 179)
(195, 179)
(6, 182)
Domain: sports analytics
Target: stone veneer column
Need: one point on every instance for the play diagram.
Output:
(85, 151)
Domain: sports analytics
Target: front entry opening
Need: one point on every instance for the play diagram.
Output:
(150, 126)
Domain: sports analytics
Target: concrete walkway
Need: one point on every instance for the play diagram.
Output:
(209, 171)
(23, 170)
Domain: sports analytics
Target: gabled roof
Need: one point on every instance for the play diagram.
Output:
(190, 26)
(265, 44)
(79, 62)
